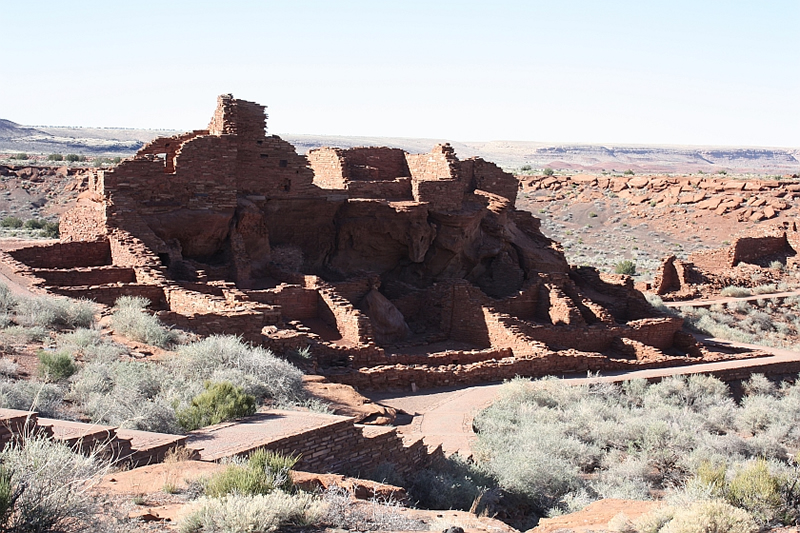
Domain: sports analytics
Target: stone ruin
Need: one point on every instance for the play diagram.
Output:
(394, 268)
(742, 263)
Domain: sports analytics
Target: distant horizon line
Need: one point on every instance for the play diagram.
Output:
(363, 136)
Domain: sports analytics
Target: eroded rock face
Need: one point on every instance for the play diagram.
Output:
(388, 322)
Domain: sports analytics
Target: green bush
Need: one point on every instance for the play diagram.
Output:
(34, 223)
(55, 366)
(22, 156)
(628, 172)
(132, 320)
(72, 158)
(11, 222)
(264, 472)
(217, 403)
(55, 157)
(526, 168)
(548, 172)
(51, 230)
(626, 267)
(757, 490)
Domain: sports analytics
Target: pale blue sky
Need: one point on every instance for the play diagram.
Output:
(676, 72)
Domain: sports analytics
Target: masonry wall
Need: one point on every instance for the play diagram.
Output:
(753, 249)
(486, 176)
(353, 326)
(328, 166)
(345, 448)
(108, 294)
(204, 178)
(435, 179)
(84, 222)
(399, 189)
(375, 163)
(86, 275)
(65, 254)
(297, 303)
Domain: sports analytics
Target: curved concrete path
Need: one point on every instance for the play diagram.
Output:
(444, 416)
(728, 299)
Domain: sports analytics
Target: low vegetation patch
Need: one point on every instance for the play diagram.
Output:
(767, 321)
(263, 472)
(626, 267)
(217, 403)
(130, 318)
(559, 447)
(56, 366)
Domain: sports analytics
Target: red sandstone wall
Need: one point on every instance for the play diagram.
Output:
(753, 249)
(108, 294)
(489, 177)
(328, 166)
(296, 302)
(375, 163)
(399, 189)
(65, 255)
(86, 276)
(353, 326)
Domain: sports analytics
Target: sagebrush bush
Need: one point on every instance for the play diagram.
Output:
(129, 394)
(260, 513)
(131, 319)
(217, 403)
(56, 366)
(46, 398)
(735, 292)
(340, 512)
(227, 358)
(552, 444)
(55, 313)
(713, 516)
(55, 484)
(451, 483)
(264, 471)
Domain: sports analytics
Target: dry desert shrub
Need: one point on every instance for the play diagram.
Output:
(130, 318)
(712, 516)
(554, 445)
(52, 484)
(262, 513)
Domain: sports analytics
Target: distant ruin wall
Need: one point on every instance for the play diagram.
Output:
(108, 295)
(753, 249)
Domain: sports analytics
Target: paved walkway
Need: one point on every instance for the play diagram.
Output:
(728, 299)
(444, 416)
